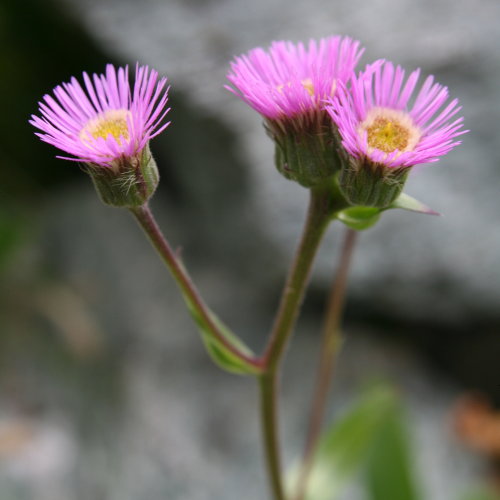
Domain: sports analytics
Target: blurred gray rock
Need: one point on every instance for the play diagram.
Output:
(100, 361)
(445, 269)
(173, 425)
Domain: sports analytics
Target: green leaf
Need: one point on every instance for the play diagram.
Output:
(406, 202)
(346, 445)
(219, 353)
(359, 217)
(389, 472)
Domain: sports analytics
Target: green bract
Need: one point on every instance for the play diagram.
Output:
(371, 184)
(359, 218)
(308, 156)
(130, 183)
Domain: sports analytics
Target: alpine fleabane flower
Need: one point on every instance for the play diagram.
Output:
(287, 84)
(386, 129)
(107, 126)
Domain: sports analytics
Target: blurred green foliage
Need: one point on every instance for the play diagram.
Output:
(369, 444)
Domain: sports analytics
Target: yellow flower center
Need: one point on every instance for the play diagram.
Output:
(112, 122)
(389, 130)
(308, 85)
(387, 135)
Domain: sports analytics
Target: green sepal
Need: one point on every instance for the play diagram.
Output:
(362, 217)
(371, 184)
(128, 182)
(219, 353)
(407, 202)
(305, 151)
(359, 218)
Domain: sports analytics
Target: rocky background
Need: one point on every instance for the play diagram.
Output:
(105, 390)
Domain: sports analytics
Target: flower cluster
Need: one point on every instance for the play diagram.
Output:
(364, 131)
(377, 126)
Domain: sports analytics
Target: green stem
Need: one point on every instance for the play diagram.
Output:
(319, 215)
(147, 221)
(318, 218)
(329, 348)
(269, 417)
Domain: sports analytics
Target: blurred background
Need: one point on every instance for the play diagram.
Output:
(105, 389)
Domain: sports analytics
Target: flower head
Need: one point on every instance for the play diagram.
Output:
(104, 121)
(287, 85)
(386, 129)
(107, 126)
(290, 80)
(377, 121)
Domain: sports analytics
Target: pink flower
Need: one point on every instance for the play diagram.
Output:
(382, 120)
(290, 80)
(105, 123)
(288, 85)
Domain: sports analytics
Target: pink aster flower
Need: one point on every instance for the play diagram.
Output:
(386, 128)
(287, 84)
(380, 118)
(104, 122)
(288, 79)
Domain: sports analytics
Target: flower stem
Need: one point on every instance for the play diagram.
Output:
(329, 348)
(319, 215)
(148, 223)
(318, 218)
(269, 414)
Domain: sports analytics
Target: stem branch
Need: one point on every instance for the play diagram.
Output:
(147, 221)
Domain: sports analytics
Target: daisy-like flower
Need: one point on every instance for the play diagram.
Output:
(386, 128)
(287, 85)
(107, 126)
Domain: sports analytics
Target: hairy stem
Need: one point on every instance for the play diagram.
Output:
(148, 223)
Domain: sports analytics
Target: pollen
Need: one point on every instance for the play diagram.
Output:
(389, 130)
(112, 122)
(308, 85)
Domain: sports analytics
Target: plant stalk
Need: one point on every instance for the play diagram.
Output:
(329, 348)
(318, 218)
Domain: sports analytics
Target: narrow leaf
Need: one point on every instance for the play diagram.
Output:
(219, 353)
(406, 202)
